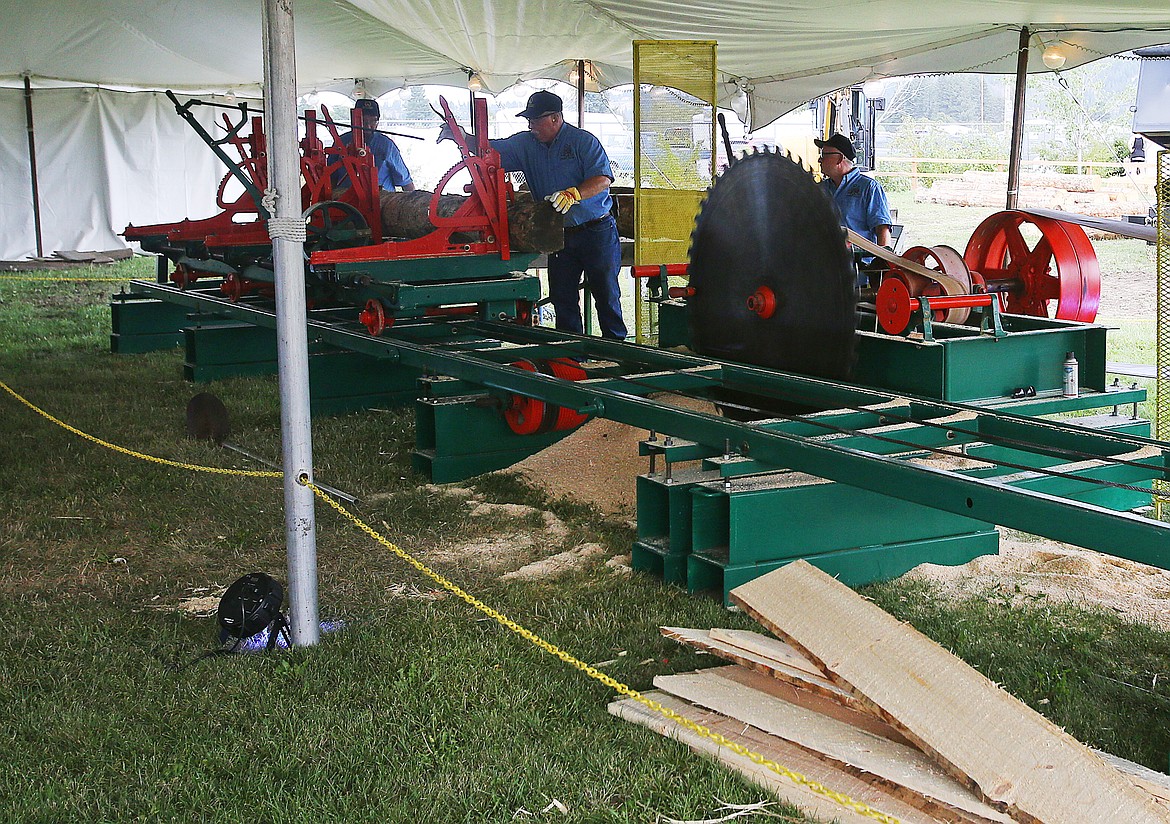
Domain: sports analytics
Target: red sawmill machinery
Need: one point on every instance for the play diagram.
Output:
(351, 258)
(821, 400)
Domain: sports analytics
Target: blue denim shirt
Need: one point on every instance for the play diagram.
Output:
(573, 157)
(392, 171)
(861, 202)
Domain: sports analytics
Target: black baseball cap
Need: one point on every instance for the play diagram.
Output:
(839, 142)
(368, 105)
(542, 103)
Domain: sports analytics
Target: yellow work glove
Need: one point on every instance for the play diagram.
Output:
(565, 199)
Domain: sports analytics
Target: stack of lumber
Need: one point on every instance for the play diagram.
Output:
(66, 259)
(862, 704)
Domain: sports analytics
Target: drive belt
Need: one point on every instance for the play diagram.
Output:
(949, 285)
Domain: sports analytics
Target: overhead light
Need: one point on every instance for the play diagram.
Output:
(740, 102)
(592, 84)
(359, 90)
(1053, 57)
(230, 98)
(474, 81)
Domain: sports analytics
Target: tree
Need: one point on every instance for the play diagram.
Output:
(1088, 108)
(417, 106)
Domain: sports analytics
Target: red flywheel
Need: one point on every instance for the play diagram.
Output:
(1059, 266)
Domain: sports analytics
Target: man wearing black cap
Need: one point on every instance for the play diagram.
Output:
(860, 200)
(392, 171)
(568, 167)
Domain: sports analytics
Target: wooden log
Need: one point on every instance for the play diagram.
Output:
(532, 226)
(1014, 757)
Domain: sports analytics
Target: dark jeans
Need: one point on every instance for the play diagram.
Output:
(594, 251)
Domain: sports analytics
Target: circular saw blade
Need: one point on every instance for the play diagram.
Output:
(766, 225)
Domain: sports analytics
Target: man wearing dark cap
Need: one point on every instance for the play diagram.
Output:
(860, 200)
(568, 167)
(392, 171)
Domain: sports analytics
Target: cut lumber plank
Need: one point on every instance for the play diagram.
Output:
(1014, 757)
(1155, 783)
(768, 647)
(898, 769)
(791, 757)
(777, 668)
(816, 703)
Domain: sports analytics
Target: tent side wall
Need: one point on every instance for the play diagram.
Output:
(105, 159)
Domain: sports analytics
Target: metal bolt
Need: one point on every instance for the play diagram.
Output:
(653, 436)
(653, 461)
(727, 449)
(727, 484)
(669, 441)
(669, 479)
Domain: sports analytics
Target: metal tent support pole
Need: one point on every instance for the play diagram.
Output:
(1013, 181)
(580, 94)
(586, 310)
(32, 163)
(292, 333)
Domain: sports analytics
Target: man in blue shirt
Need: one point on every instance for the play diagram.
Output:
(392, 171)
(860, 200)
(568, 167)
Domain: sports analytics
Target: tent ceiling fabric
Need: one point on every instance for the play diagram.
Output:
(791, 51)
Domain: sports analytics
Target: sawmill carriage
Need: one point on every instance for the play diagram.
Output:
(916, 399)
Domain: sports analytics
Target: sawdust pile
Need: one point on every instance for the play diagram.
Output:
(599, 462)
(1029, 568)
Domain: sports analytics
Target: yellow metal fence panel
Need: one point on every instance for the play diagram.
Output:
(674, 157)
(1162, 384)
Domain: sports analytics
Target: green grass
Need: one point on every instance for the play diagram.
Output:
(422, 709)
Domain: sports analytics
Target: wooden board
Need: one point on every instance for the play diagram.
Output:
(802, 677)
(1013, 756)
(775, 750)
(768, 647)
(898, 769)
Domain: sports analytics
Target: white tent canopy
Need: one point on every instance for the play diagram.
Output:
(788, 53)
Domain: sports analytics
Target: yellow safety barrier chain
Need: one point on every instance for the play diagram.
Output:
(503, 620)
(598, 675)
(250, 473)
(66, 279)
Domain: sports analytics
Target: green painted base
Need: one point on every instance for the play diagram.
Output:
(656, 558)
(463, 436)
(339, 381)
(709, 571)
(141, 324)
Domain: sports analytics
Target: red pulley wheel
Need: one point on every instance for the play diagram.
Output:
(525, 415)
(1060, 266)
(373, 317)
(894, 305)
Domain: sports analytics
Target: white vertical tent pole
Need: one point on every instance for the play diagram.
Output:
(287, 229)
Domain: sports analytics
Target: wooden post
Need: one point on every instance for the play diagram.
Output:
(32, 164)
(1013, 181)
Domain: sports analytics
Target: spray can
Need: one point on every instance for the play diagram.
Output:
(1072, 378)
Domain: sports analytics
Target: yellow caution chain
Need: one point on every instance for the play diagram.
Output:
(499, 617)
(250, 473)
(66, 279)
(598, 675)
